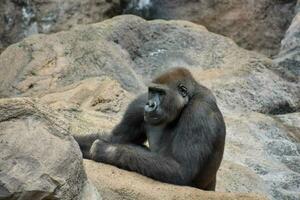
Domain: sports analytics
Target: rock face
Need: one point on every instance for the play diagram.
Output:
(267, 148)
(239, 20)
(39, 159)
(289, 56)
(268, 19)
(20, 18)
(239, 78)
(89, 75)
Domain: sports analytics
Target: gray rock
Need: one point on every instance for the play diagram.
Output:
(258, 25)
(39, 158)
(21, 18)
(132, 51)
(289, 55)
(266, 147)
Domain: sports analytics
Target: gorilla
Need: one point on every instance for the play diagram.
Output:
(184, 128)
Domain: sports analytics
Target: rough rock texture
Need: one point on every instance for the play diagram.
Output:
(20, 18)
(116, 184)
(131, 50)
(268, 19)
(39, 159)
(255, 25)
(91, 73)
(289, 56)
(267, 148)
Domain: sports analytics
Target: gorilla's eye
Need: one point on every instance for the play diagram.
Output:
(183, 90)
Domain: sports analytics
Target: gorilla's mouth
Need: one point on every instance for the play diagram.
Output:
(152, 118)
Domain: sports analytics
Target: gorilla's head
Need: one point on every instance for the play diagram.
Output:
(168, 95)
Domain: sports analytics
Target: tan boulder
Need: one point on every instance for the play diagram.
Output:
(114, 184)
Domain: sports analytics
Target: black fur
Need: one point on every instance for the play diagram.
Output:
(185, 151)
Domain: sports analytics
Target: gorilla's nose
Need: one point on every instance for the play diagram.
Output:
(150, 106)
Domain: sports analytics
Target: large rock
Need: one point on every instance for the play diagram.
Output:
(39, 158)
(256, 25)
(253, 87)
(262, 154)
(132, 51)
(91, 73)
(21, 18)
(289, 55)
(116, 184)
(93, 104)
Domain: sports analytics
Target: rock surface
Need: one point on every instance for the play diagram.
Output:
(239, 78)
(267, 148)
(90, 73)
(116, 184)
(236, 19)
(21, 18)
(39, 158)
(289, 55)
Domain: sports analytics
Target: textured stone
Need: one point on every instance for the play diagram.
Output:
(21, 18)
(289, 55)
(39, 158)
(115, 184)
(255, 25)
(132, 51)
(262, 154)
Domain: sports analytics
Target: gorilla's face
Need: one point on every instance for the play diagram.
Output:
(165, 102)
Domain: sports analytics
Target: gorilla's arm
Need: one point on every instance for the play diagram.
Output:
(141, 160)
(203, 140)
(130, 130)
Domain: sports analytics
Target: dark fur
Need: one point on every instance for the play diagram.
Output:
(187, 151)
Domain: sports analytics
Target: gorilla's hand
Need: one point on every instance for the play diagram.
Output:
(101, 151)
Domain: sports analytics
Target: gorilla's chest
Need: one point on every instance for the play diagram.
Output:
(155, 137)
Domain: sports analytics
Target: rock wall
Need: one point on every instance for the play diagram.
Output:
(21, 18)
(289, 55)
(256, 25)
